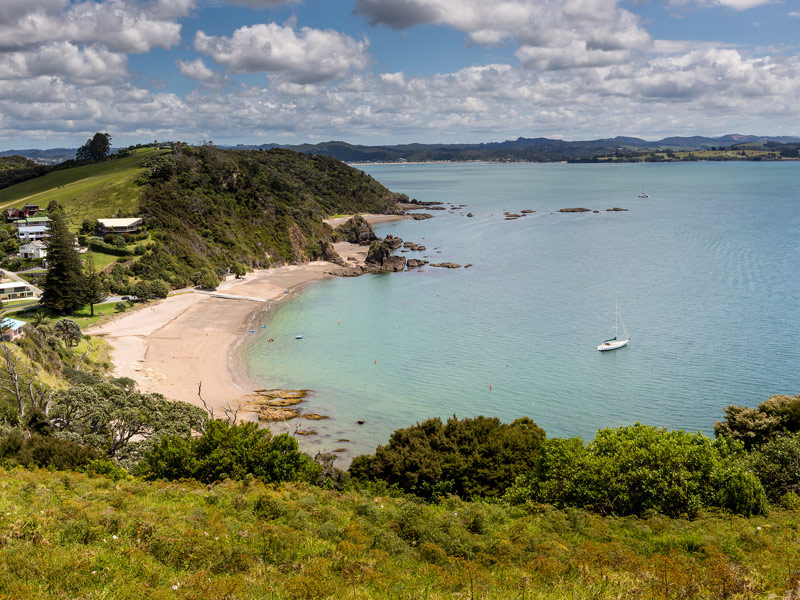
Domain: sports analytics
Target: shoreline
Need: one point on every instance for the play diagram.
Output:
(194, 339)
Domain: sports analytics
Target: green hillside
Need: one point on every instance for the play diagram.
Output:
(67, 535)
(104, 189)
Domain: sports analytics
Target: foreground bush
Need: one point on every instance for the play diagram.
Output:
(44, 451)
(642, 470)
(229, 452)
(477, 457)
(777, 465)
(70, 536)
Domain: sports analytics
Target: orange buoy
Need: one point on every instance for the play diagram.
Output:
(490, 386)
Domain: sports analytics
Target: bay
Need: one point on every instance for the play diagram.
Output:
(705, 271)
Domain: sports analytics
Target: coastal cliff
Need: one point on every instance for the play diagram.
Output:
(211, 208)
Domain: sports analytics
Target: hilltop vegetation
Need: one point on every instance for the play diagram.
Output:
(210, 209)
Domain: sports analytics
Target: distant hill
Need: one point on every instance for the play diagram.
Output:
(520, 149)
(52, 156)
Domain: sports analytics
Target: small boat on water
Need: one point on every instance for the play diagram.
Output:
(615, 342)
(643, 195)
(299, 336)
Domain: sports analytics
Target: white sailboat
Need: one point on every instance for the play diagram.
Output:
(615, 342)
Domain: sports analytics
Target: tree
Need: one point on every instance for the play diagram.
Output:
(208, 280)
(159, 288)
(119, 420)
(63, 289)
(94, 290)
(478, 457)
(142, 291)
(69, 331)
(95, 149)
(226, 451)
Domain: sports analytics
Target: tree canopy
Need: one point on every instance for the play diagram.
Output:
(63, 288)
(96, 148)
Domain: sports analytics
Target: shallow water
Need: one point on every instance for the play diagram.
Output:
(705, 271)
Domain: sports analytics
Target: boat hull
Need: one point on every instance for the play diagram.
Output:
(613, 345)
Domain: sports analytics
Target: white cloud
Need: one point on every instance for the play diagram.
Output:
(734, 4)
(120, 25)
(198, 71)
(65, 61)
(590, 32)
(259, 4)
(304, 56)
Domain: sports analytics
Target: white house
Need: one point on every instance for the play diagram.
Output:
(33, 228)
(15, 290)
(118, 225)
(33, 249)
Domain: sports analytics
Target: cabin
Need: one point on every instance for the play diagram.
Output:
(32, 228)
(15, 290)
(105, 226)
(15, 214)
(33, 250)
(11, 329)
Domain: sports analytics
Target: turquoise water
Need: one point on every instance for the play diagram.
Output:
(705, 271)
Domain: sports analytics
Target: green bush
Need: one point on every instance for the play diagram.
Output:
(44, 451)
(97, 245)
(477, 457)
(229, 452)
(757, 426)
(640, 470)
(777, 465)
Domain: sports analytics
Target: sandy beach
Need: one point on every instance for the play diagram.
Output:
(175, 345)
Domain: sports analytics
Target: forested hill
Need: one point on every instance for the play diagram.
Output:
(213, 208)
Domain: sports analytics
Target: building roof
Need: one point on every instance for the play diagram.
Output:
(12, 284)
(34, 220)
(11, 323)
(33, 228)
(34, 243)
(119, 222)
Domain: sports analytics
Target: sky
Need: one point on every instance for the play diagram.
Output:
(394, 71)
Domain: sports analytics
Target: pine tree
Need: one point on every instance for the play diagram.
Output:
(63, 289)
(94, 292)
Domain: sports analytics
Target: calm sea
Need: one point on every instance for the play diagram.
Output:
(706, 272)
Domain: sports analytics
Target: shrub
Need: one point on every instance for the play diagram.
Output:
(777, 465)
(159, 288)
(470, 457)
(120, 307)
(229, 452)
(756, 426)
(44, 451)
(642, 469)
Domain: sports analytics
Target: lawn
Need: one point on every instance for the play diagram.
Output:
(93, 191)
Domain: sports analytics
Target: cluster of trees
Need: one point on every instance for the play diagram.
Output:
(754, 461)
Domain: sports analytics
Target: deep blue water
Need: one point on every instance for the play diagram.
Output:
(706, 272)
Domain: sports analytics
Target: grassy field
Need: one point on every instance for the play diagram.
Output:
(67, 535)
(88, 192)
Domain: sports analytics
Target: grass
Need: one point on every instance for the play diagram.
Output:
(82, 316)
(88, 192)
(102, 260)
(67, 535)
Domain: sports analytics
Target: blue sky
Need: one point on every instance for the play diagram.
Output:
(394, 71)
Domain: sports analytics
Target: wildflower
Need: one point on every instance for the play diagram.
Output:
(175, 587)
(94, 572)
(115, 537)
(205, 533)
(758, 528)
(216, 538)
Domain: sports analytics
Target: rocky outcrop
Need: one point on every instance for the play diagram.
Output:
(421, 216)
(470, 215)
(413, 263)
(357, 231)
(527, 211)
(616, 210)
(446, 265)
(328, 253)
(393, 242)
(575, 210)
(379, 258)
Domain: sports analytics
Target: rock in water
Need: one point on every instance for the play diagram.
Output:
(357, 231)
